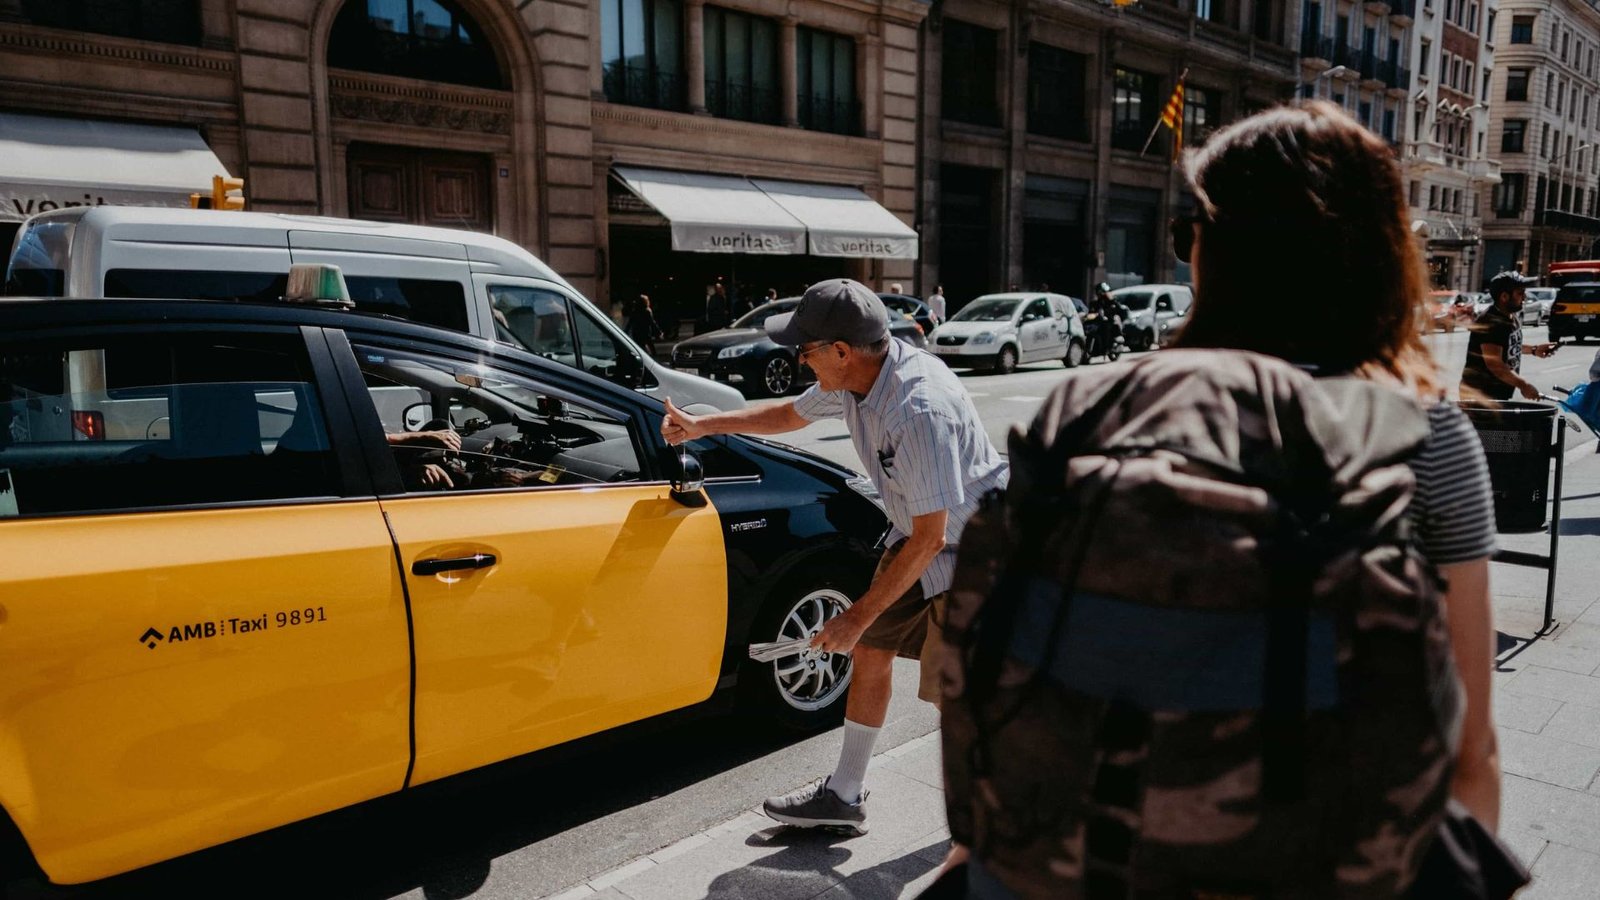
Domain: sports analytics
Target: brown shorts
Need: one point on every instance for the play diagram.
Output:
(910, 627)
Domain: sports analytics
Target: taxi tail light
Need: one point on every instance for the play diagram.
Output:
(92, 425)
(1559, 307)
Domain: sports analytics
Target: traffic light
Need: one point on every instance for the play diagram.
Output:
(222, 196)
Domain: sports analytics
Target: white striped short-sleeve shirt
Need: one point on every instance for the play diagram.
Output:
(922, 444)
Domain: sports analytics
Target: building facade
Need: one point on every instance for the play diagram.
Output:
(1034, 125)
(513, 118)
(1544, 101)
(1448, 161)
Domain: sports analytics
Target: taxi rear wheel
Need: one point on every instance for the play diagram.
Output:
(806, 691)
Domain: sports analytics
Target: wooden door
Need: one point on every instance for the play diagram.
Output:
(422, 187)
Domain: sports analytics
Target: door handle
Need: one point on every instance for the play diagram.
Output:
(453, 563)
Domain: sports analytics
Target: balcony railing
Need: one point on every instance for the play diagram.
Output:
(747, 103)
(819, 112)
(1427, 152)
(1485, 170)
(1367, 65)
(1402, 78)
(641, 86)
(1316, 47)
(1555, 218)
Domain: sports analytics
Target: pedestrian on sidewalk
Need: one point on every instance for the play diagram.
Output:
(1494, 348)
(1158, 763)
(642, 325)
(936, 304)
(924, 448)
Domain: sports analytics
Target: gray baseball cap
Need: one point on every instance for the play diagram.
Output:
(838, 309)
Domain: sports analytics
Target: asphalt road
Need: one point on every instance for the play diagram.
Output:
(534, 827)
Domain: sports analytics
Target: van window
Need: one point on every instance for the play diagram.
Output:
(602, 354)
(177, 284)
(533, 319)
(425, 300)
(199, 420)
(38, 261)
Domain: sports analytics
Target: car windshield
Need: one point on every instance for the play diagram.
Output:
(996, 310)
(900, 304)
(1134, 300)
(1588, 293)
(758, 317)
(1541, 293)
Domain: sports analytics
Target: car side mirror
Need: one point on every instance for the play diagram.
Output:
(416, 415)
(688, 487)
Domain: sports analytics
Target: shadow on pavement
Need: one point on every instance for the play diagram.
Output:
(442, 838)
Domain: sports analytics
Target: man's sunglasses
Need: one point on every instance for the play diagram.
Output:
(1182, 229)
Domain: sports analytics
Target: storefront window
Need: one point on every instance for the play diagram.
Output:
(742, 66)
(826, 82)
(1056, 93)
(641, 51)
(1131, 235)
(427, 39)
(168, 21)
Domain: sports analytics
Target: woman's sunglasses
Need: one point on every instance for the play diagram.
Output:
(1182, 228)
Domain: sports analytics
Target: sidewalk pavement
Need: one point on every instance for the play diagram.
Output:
(1547, 706)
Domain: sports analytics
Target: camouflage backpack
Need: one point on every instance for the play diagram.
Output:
(1194, 650)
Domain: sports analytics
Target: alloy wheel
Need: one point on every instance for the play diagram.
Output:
(778, 376)
(813, 679)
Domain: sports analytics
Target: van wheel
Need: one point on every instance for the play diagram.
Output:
(807, 691)
(1006, 361)
(1076, 354)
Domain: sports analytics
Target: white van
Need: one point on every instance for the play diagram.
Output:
(462, 280)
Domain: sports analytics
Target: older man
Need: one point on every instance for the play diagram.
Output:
(920, 440)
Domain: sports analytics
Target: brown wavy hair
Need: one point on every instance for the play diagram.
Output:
(1304, 249)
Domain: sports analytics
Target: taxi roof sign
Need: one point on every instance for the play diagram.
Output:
(317, 284)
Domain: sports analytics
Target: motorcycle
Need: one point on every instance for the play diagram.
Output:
(1097, 343)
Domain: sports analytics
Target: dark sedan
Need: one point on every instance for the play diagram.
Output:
(743, 355)
(911, 308)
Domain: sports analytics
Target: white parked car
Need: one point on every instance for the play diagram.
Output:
(1157, 312)
(998, 331)
(1536, 309)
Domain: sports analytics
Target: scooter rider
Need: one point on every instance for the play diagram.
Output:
(1109, 317)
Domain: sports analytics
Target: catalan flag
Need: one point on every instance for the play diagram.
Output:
(1172, 117)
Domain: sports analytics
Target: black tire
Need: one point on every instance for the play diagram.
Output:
(1115, 352)
(1005, 362)
(781, 697)
(1077, 354)
(777, 375)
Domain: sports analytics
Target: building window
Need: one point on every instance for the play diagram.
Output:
(1056, 87)
(970, 64)
(1433, 196)
(742, 66)
(1522, 29)
(825, 79)
(1488, 28)
(1364, 115)
(1566, 39)
(1416, 193)
(1510, 195)
(1213, 11)
(641, 50)
(1135, 106)
(1423, 58)
(167, 21)
(1201, 115)
(427, 39)
(1512, 135)
(1544, 140)
(1549, 90)
(1388, 124)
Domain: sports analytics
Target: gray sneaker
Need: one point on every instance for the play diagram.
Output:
(815, 806)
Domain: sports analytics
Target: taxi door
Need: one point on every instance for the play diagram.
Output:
(556, 586)
(202, 632)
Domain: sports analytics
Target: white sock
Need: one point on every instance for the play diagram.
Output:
(848, 778)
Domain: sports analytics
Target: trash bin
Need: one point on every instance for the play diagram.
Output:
(1517, 443)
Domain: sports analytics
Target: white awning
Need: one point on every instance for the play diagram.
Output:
(48, 163)
(716, 213)
(843, 221)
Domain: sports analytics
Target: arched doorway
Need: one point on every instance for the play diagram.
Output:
(429, 115)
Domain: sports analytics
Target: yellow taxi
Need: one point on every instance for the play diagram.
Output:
(264, 561)
(1575, 312)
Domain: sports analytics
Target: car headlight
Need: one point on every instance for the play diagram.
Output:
(983, 337)
(734, 352)
(863, 485)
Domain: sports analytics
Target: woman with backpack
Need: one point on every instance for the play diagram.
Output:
(1274, 708)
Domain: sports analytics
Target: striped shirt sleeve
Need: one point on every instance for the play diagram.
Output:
(816, 404)
(1454, 509)
(928, 469)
